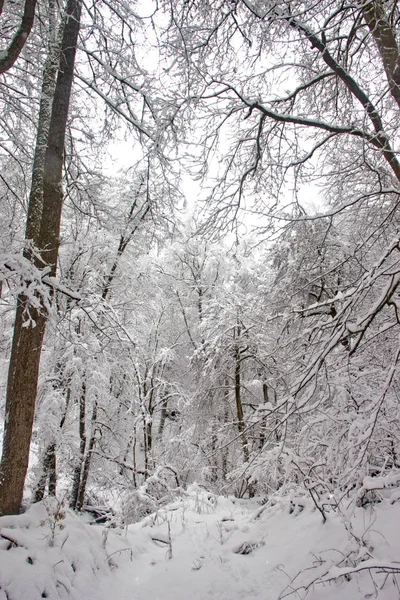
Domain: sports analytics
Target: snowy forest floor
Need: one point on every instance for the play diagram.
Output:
(201, 546)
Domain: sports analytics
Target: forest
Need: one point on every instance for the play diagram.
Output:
(199, 278)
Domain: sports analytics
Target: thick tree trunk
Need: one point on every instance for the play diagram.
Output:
(20, 407)
(385, 39)
(35, 205)
(27, 341)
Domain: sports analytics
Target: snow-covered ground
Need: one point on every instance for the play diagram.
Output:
(202, 546)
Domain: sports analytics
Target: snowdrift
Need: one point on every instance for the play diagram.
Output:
(48, 552)
(202, 546)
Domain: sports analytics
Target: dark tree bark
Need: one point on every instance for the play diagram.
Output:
(19, 40)
(49, 461)
(264, 419)
(87, 462)
(163, 417)
(238, 358)
(137, 214)
(35, 205)
(147, 429)
(49, 471)
(385, 39)
(20, 407)
(76, 482)
(27, 341)
(238, 396)
(224, 450)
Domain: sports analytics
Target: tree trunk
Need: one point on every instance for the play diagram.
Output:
(49, 470)
(163, 416)
(27, 341)
(263, 423)
(35, 205)
(9, 57)
(125, 238)
(24, 362)
(239, 409)
(20, 407)
(239, 406)
(76, 481)
(385, 39)
(87, 461)
(147, 415)
(224, 455)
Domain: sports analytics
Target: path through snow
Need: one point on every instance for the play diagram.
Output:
(206, 534)
(203, 547)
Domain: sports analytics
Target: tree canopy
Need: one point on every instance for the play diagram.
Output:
(225, 309)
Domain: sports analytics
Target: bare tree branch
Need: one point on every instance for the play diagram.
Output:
(10, 55)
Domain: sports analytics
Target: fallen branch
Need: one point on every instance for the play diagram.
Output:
(11, 540)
